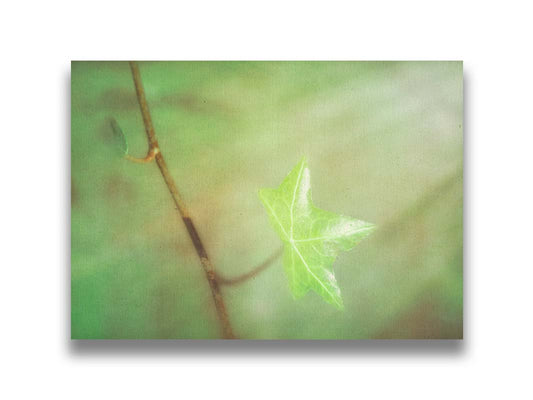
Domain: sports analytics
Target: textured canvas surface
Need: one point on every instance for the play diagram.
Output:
(382, 142)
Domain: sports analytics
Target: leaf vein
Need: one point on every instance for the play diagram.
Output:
(313, 275)
(294, 197)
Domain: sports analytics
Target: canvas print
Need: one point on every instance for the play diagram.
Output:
(267, 200)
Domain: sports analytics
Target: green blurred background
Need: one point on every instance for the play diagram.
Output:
(384, 144)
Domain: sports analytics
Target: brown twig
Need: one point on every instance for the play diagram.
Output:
(254, 272)
(155, 152)
(149, 157)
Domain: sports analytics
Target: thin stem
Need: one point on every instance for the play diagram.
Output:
(149, 157)
(209, 270)
(254, 272)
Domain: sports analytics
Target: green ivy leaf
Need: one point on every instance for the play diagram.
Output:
(312, 237)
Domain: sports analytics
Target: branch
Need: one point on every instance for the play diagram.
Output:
(255, 271)
(155, 152)
(149, 157)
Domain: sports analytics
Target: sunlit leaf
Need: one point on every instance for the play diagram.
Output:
(312, 237)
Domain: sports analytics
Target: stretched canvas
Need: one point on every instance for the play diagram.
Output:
(267, 200)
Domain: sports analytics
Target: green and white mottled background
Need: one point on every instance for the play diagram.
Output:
(384, 144)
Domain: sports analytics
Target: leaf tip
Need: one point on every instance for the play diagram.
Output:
(303, 160)
(121, 143)
(337, 303)
(262, 193)
(371, 227)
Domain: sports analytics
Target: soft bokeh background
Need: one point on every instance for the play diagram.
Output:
(383, 142)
